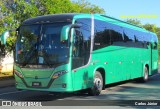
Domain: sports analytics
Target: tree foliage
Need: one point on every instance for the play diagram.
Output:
(14, 12)
(83, 6)
(134, 21)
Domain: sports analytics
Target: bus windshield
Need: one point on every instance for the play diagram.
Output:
(40, 45)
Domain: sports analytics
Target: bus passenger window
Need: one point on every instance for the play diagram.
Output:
(148, 45)
(116, 36)
(155, 45)
(102, 35)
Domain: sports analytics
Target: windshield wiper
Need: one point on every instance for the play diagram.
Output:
(46, 59)
(32, 54)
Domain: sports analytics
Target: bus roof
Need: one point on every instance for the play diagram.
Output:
(50, 18)
(67, 17)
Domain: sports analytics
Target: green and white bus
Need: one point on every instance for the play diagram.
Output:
(72, 52)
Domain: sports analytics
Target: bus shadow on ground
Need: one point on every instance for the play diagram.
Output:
(7, 81)
(38, 96)
(127, 90)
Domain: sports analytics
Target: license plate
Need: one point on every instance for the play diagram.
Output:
(37, 84)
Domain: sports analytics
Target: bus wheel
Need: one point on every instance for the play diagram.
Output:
(98, 84)
(145, 75)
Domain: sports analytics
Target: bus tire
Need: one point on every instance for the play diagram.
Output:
(98, 84)
(145, 75)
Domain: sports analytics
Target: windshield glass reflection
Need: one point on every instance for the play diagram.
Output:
(41, 45)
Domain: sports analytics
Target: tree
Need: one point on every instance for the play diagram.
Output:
(150, 27)
(134, 21)
(86, 7)
(14, 12)
(158, 32)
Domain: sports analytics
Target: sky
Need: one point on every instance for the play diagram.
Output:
(147, 11)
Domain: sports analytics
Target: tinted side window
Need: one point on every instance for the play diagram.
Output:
(134, 38)
(129, 37)
(146, 40)
(155, 42)
(155, 45)
(139, 39)
(107, 34)
(116, 35)
(102, 35)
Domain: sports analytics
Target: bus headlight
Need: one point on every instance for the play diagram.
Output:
(18, 74)
(58, 74)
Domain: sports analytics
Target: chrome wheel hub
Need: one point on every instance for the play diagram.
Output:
(98, 83)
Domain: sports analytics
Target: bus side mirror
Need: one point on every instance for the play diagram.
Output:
(4, 37)
(66, 31)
